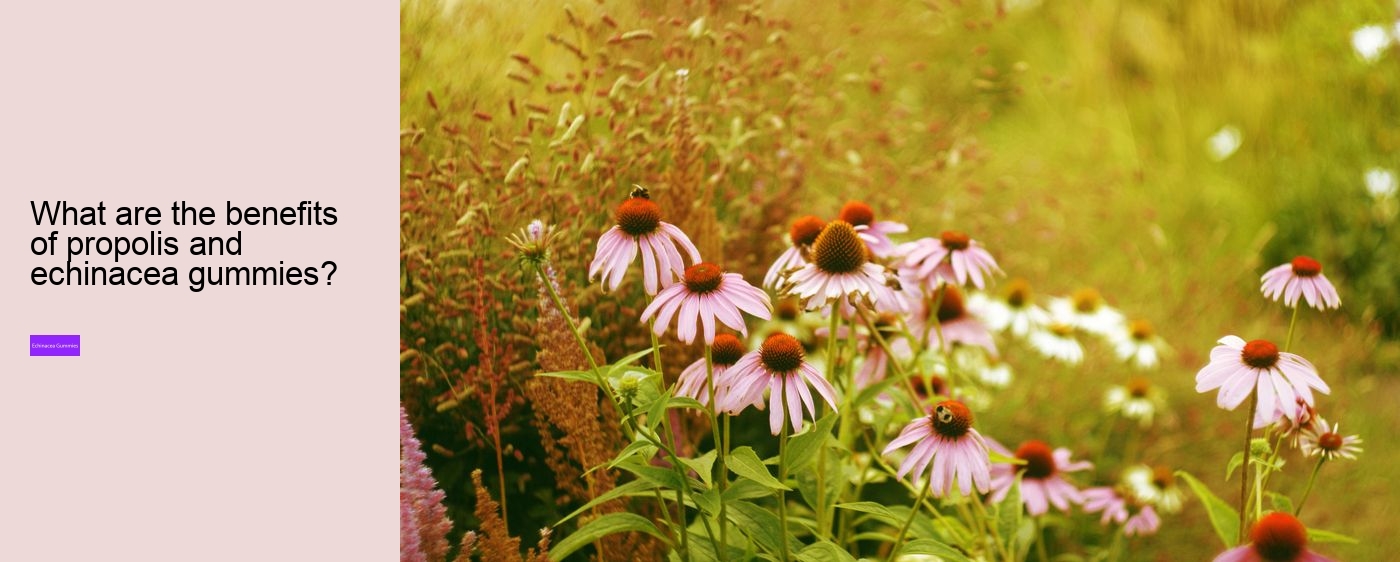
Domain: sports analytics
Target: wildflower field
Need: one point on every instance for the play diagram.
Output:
(938, 280)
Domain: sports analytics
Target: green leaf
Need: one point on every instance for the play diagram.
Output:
(601, 527)
(999, 458)
(802, 449)
(642, 447)
(744, 462)
(745, 490)
(1280, 502)
(707, 501)
(1234, 465)
(656, 408)
(930, 547)
(1223, 517)
(663, 477)
(1321, 536)
(1009, 515)
(631, 488)
(759, 523)
(620, 364)
(685, 402)
(879, 511)
(824, 551)
(584, 376)
(704, 465)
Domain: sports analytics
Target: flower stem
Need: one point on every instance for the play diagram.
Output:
(1297, 511)
(721, 448)
(1244, 474)
(913, 510)
(1040, 539)
(1288, 344)
(782, 478)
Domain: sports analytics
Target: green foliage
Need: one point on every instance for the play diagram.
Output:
(1223, 518)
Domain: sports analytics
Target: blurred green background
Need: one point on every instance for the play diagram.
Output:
(1166, 153)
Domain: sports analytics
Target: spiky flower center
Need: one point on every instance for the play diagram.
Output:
(1086, 300)
(638, 216)
(1018, 293)
(805, 230)
(951, 419)
(781, 353)
(954, 240)
(1062, 330)
(1141, 330)
(1304, 266)
(857, 213)
(1278, 537)
(1040, 460)
(703, 277)
(837, 249)
(726, 350)
(788, 309)
(1138, 387)
(1260, 354)
(1330, 442)
(1162, 478)
(950, 304)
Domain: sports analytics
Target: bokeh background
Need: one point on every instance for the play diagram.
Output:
(1165, 153)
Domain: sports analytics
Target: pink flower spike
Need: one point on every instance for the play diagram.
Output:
(706, 295)
(639, 229)
(947, 447)
(779, 367)
(1300, 277)
(1281, 379)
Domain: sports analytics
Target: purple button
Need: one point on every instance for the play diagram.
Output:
(54, 346)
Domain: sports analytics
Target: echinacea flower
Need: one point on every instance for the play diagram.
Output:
(956, 325)
(1289, 428)
(1300, 277)
(1276, 537)
(639, 228)
(875, 234)
(946, 442)
(1056, 341)
(777, 366)
(724, 353)
(1138, 400)
(876, 362)
(1119, 509)
(706, 295)
(533, 241)
(1155, 486)
(1238, 368)
(1086, 310)
(953, 257)
(1015, 311)
(1042, 483)
(1137, 344)
(840, 269)
(801, 235)
(1327, 441)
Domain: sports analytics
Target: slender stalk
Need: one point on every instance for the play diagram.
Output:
(991, 530)
(782, 478)
(1297, 511)
(1244, 474)
(1288, 344)
(1040, 539)
(832, 360)
(670, 437)
(893, 361)
(904, 529)
(721, 451)
(1115, 550)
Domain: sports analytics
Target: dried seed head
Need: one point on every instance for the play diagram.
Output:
(1260, 354)
(838, 249)
(781, 353)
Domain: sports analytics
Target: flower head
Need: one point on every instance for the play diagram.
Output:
(801, 235)
(1238, 368)
(1137, 400)
(1137, 519)
(1300, 277)
(533, 241)
(707, 294)
(1086, 310)
(1014, 311)
(839, 269)
(1155, 486)
(1276, 537)
(876, 235)
(724, 353)
(778, 366)
(946, 442)
(954, 257)
(1056, 341)
(1137, 344)
(639, 228)
(1042, 481)
(1327, 440)
(956, 324)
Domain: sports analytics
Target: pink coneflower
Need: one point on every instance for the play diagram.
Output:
(957, 325)
(1288, 427)
(706, 295)
(1276, 537)
(1116, 509)
(875, 234)
(876, 363)
(724, 353)
(954, 258)
(947, 442)
(1302, 276)
(639, 227)
(778, 366)
(1326, 440)
(801, 235)
(840, 269)
(1041, 482)
(1237, 367)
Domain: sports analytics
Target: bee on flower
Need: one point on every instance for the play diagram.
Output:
(947, 447)
(639, 229)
